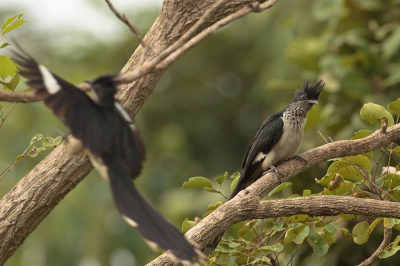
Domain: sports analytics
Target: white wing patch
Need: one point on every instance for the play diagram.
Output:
(50, 82)
(130, 221)
(122, 111)
(260, 156)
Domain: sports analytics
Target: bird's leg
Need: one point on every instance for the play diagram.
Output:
(273, 168)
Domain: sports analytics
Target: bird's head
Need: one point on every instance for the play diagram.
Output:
(309, 93)
(104, 89)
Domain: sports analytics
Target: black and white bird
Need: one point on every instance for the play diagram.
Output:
(101, 127)
(277, 140)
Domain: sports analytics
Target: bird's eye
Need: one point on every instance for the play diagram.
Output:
(303, 96)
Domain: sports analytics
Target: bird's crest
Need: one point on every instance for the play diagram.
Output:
(313, 90)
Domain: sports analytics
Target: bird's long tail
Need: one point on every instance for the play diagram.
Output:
(158, 232)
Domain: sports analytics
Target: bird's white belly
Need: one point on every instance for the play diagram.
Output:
(287, 145)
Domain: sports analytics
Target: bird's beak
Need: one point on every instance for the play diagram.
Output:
(313, 101)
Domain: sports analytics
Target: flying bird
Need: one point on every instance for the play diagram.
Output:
(101, 127)
(277, 140)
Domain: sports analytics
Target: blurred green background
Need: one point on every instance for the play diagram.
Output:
(204, 112)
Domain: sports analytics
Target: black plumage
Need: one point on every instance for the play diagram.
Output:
(105, 130)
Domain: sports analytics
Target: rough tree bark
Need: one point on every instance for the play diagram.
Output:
(24, 207)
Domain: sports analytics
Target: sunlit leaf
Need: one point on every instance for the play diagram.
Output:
(361, 134)
(221, 178)
(390, 250)
(187, 225)
(395, 106)
(279, 188)
(197, 182)
(317, 243)
(391, 180)
(360, 233)
(234, 183)
(210, 189)
(390, 222)
(373, 113)
(297, 234)
(36, 138)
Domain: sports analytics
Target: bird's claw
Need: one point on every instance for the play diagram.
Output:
(299, 158)
(273, 168)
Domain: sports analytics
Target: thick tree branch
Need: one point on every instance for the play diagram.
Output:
(24, 207)
(246, 204)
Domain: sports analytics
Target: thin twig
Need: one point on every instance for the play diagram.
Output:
(150, 65)
(27, 97)
(125, 20)
(387, 237)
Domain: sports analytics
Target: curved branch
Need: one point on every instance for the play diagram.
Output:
(387, 237)
(245, 204)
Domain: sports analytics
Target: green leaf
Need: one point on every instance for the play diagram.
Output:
(373, 113)
(212, 207)
(361, 134)
(221, 178)
(306, 193)
(395, 150)
(317, 243)
(187, 225)
(391, 180)
(234, 183)
(346, 170)
(390, 250)
(279, 188)
(210, 189)
(13, 26)
(297, 218)
(395, 106)
(33, 152)
(331, 228)
(390, 46)
(390, 222)
(4, 45)
(20, 157)
(360, 233)
(197, 182)
(297, 234)
(347, 216)
(57, 140)
(5, 66)
(278, 247)
(373, 225)
(235, 175)
(36, 138)
(361, 161)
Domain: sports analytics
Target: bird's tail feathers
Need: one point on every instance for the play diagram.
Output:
(157, 231)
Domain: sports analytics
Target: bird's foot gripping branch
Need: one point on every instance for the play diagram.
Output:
(356, 200)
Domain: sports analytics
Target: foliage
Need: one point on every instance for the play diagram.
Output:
(271, 241)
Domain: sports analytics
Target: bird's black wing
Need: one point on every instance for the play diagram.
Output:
(267, 136)
(71, 105)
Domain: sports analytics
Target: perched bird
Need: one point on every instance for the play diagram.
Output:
(277, 140)
(101, 127)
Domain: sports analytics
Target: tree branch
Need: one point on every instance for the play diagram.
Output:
(247, 205)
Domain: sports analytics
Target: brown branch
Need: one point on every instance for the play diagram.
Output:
(125, 20)
(242, 206)
(387, 237)
(27, 97)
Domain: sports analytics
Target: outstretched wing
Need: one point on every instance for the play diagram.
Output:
(71, 105)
